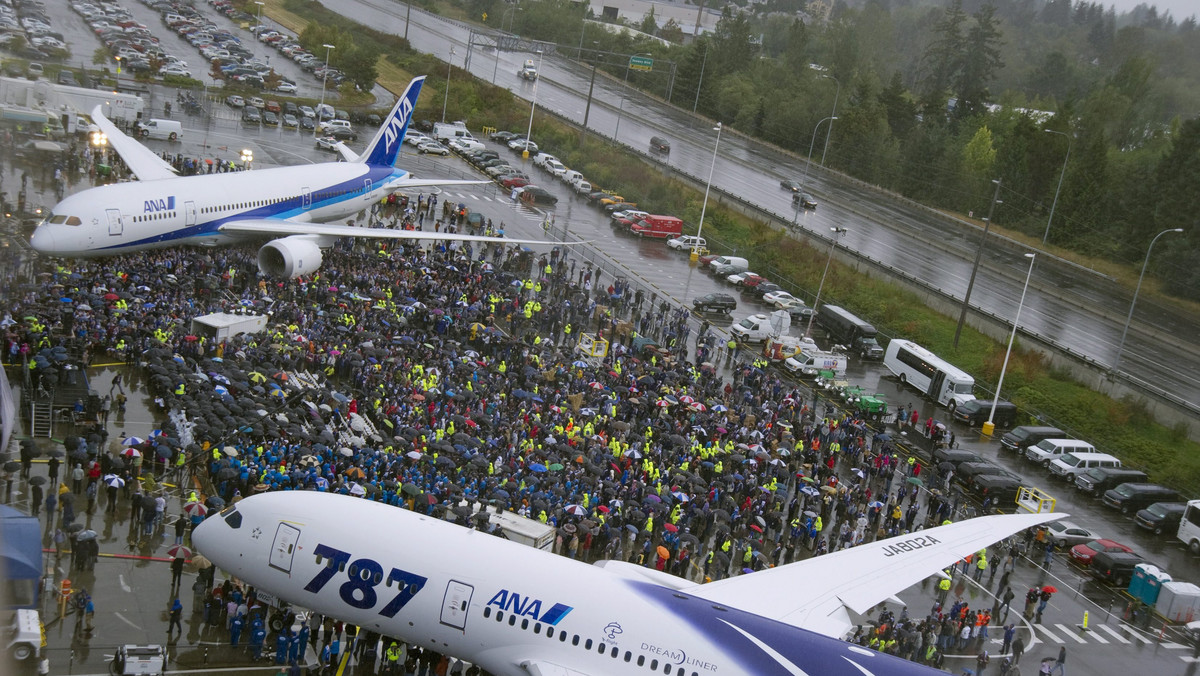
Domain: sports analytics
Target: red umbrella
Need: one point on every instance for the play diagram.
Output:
(179, 552)
(1050, 588)
(191, 339)
(671, 528)
(111, 296)
(756, 528)
(603, 508)
(195, 509)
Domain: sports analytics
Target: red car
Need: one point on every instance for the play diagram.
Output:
(515, 182)
(1083, 554)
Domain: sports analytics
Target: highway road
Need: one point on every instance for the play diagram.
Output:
(1074, 307)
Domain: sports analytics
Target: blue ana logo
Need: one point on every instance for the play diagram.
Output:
(153, 206)
(396, 123)
(527, 606)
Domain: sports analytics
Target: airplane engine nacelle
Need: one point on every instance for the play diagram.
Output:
(290, 257)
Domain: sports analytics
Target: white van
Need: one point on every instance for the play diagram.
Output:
(1047, 450)
(1070, 465)
(570, 176)
(448, 131)
(582, 186)
(727, 265)
(168, 130)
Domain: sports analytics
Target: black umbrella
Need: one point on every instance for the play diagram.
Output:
(38, 480)
(214, 502)
(12, 466)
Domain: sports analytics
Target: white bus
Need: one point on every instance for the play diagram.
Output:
(1189, 527)
(940, 380)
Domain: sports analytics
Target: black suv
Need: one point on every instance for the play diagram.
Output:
(659, 144)
(715, 302)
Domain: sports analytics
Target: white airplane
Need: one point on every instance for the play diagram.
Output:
(519, 611)
(161, 209)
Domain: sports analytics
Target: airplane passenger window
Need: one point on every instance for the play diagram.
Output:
(524, 624)
(537, 627)
(587, 645)
(600, 648)
(487, 611)
(653, 665)
(549, 632)
(628, 656)
(512, 620)
(615, 651)
(575, 639)
(641, 661)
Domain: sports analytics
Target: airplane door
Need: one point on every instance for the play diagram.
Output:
(367, 187)
(114, 221)
(306, 198)
(284, 547)
(455, 604)
(189, 213)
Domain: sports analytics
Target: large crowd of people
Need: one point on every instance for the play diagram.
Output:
(445, 380)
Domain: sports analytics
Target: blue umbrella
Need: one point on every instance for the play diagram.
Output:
(64, 299)
(537, 467)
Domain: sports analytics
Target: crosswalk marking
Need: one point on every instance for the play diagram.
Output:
(1171, 645)
(1098, 637)
(1112, 632)
(1066, 630)
(1049, 634)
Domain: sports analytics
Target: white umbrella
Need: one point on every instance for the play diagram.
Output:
(113, 480)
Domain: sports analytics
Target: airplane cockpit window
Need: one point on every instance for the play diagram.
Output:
(232, 517)
(60, 219)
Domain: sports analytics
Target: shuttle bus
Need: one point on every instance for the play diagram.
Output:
(940, 380)
(1189, 527)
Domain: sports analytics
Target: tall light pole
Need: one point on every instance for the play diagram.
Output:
(987, 224)
(532, 107)
(1060, 181)
(837, 232)
(990, 426)
(446, 94)
(1120, 348)
(700, 82)
(811, 143)
(695, 255)
(260, 8)
(832, 116)
(324, 77)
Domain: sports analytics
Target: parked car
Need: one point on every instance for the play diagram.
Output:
(715, 302)
(343, 134)
(686, 243)
(1115, 568)
(235, 101)
(290, 121)
(1161, 517)
(432, 148)
(1083, 554)
(327, 143)
(533, 194)
(1066, 534)
(1129, 498)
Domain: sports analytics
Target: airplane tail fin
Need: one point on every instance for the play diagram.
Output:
(384, 148)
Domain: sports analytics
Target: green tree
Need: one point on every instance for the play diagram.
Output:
(943, 57)
(979, 156)
(1178, 199)
(649, 24)
(980, 61)
(360, 65)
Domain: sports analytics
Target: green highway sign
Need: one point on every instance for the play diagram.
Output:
(641, 63)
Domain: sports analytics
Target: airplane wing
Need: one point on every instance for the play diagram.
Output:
(347, 154)
(264, 226)
(542, 668)
(815, 594)
(142, 161)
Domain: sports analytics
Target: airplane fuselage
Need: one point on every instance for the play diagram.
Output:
(514, 610)
(127, 217)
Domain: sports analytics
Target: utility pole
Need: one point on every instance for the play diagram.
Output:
(987, 224)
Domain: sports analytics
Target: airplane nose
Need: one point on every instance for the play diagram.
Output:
(43, 240)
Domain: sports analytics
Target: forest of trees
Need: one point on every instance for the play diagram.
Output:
(935, 100)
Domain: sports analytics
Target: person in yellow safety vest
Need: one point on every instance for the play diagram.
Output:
(502, 367)
(943, 589)
(773, 485)
(537, 288)
(180, 389)
(548, 270)
(542, 516)
(567, 329)
(981, 565)
(726, 545)
(719, 468)
(649, 526)
(748, 556)
(818, 525)
(180, 460)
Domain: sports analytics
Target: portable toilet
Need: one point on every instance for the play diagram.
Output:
(1155, 579)
(1137, 581)
(1179, 601)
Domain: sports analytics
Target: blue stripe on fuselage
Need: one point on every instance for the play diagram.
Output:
(814, 654)
(281, 211)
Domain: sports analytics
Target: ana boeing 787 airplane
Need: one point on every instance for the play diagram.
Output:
(519, 611)
(291, 204)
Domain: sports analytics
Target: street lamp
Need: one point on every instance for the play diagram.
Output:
(990, 426)
(511, 13)
(260, 8)
(808, 163)
(833, 115)
(324, 77)
(1117, 362)
(247, 158)
(695, 255)
(1060, 181)
(446, 95)
(532, 107)
(837, 232)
